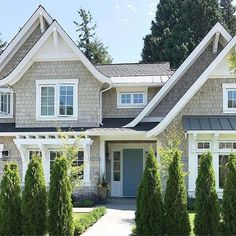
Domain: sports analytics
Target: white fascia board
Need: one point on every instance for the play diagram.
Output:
(118, 85)
(27, 61)
(115, 133)
(23, 31)
(180, 71)
(191, 92)
(16, 134)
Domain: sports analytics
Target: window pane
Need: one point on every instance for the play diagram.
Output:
(53, 156)
(138, 98)
(125, 98)
(223, 159)
(34, 153)
(62, 100)
(231, 99)
(79, 162)
(200, 145)
(116, 176)
(47, 101)
(5, 103)
(116, 166)
(66, 100)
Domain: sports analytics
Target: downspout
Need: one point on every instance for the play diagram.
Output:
(102, 91)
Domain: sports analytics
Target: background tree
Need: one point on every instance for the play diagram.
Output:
(10, 201)
(206, 203)
(88, 42)
(229, 197)
(34, 199)
(2, 45)
(149, 214)
(175, 201)
(60, 220)
(228, 10)
(178, 28)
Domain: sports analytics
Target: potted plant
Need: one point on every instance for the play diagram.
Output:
(102, 188)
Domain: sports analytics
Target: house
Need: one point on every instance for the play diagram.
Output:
(120, 109)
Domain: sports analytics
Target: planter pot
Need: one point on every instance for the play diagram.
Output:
(102, 194)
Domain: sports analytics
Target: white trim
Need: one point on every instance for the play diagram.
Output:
(181, 70)
(192, 91)
(56, 84)
(228, 87)
(28, 60)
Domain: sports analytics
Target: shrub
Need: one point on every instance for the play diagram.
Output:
(85, 200)
(84, 203)
(149, 202)
(229, 197)
(176, 215)
(87, 220)
(10, 201)
(34, 199)
(60, 220)
(206, 202)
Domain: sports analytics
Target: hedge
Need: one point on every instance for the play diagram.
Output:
(88, 219)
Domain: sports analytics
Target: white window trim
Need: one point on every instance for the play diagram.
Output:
(143, 90)
(11, 92)
(226, 87)
(204, 149)
(56, 84)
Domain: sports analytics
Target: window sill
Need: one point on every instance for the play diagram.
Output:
(6, 116)
(57, 118)
(229, 111)
(130, 106)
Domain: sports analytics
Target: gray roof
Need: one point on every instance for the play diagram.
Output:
(209, 123)
(135, 69)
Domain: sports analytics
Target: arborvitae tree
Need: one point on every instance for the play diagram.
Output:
(60, 220)
(206, 203)
(228, 10)
(34, 199)
(88, 42)
(178, 28)
(229, 197)
(149, 214)
(10, 202)
(2, 46)
(175, 202)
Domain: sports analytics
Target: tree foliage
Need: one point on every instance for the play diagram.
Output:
(229, 197)
(206, 203)
(60, 219)
(88, 42)
(175, 201)
(149, 216)
(10, 201)
(179, 26)
(34, 199)
(2, 45)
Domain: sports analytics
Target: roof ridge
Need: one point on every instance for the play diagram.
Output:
(133, 63)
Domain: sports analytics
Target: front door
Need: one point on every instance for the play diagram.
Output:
(132, 171)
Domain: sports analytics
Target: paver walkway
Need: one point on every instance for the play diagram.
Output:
(117, 221)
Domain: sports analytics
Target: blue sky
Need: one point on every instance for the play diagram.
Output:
(122, 24)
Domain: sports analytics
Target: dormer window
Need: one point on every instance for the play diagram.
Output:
(229, 98)
(57, 99)
(6, 103)
(131, 98)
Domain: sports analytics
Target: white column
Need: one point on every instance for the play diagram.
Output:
(102, 158)
(45, 162)
(192, 163)
(215, 161)
(25, 161)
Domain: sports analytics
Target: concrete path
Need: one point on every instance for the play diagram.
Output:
(117, 221)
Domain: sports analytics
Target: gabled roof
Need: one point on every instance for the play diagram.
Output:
(192, 91)
(135, 69)
(218, 28)
(27, 61)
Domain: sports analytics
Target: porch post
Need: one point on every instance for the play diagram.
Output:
(102, 158)
(45, 162)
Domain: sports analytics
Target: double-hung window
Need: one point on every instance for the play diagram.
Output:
(6, 103)
(57, 100)
(229, 98)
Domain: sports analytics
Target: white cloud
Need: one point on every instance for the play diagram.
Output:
(152, 9)
(117, 6)
(131, 7)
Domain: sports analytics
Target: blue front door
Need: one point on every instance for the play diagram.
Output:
(132, 171)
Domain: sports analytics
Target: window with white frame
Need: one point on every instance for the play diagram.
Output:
(57, 101)
(228, 145)
(33, 153)
(203, 145)
(131, 98)
(79, 162)
(53, 156)
(223, 160)
(6, 102)
(229, 98)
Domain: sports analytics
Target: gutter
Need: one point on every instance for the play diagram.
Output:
(101, 92)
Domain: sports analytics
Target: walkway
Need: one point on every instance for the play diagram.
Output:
(117, 221)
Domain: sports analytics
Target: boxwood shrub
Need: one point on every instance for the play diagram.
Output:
(87, 220)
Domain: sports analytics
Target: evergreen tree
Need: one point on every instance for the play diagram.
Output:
(2, 46)
(149, 213)
(88, 42)
(60, 220)
(206, 203)
(178, 28)
(176, 218)
(229, 197)
(10, 202)
(228, 10)
(34, 199)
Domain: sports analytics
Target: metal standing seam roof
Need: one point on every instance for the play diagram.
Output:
(135, 69)
(217, 123)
